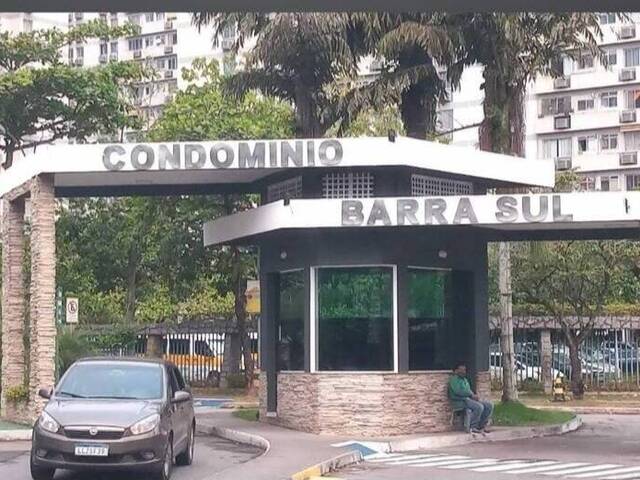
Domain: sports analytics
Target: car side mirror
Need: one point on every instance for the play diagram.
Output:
(45, 393)
(181, 396)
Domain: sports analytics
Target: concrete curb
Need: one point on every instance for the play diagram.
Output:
(593, 410)
(15, 435)
(441, 441)
(236, 436)
(335, 463)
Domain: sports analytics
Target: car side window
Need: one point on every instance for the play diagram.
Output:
(173, 383)
(179, 379)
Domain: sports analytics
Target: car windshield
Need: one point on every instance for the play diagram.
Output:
(112, 380)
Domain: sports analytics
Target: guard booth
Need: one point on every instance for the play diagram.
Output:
(373, 260)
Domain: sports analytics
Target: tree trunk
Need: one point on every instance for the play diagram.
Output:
(232, 354)
(8, 157)
(577, 381)
(132, 271)
(308, 124)
(418, 112)
(509, 388)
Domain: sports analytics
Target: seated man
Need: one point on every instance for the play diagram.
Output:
(462, 396)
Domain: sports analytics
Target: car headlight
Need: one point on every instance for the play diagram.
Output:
(145, 425)
(48, 423)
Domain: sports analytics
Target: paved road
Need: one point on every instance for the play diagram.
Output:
(212, 455)
(607, 447)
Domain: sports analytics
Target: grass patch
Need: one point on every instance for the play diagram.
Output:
(516, 414)
(4, 425)
(250, 414)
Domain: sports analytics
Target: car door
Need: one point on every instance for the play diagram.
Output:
(189, 413)
(178, 417)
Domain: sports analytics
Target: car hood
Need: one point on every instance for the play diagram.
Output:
(113, 413)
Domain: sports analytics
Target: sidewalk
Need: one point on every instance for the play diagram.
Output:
(289, 451)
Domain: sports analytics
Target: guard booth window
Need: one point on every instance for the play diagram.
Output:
(429, 316)
(290, 331)
(355, 318)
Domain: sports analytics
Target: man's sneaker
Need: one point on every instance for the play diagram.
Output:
(476, 430)
(486, 430)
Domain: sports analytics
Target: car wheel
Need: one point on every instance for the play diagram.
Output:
(164, 471)
(40, 473)
(186, 457)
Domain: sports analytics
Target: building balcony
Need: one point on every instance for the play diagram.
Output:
(578, 121)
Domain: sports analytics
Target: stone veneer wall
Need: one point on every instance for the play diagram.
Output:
(483, 385)
(362, 404)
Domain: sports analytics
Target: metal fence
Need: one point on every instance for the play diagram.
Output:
(609, 358)
(198, 355)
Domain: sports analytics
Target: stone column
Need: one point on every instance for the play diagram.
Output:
(154, 345)
(43, 280)
(545, 360)
(13, 303)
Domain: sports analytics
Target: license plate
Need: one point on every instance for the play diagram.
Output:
(92, 451)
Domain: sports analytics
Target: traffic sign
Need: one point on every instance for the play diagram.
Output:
(72, 310)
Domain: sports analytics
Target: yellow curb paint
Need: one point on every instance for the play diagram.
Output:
(307, 473)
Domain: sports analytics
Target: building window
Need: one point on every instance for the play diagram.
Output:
(174, 38)
(347, 185)
(148, 41)
(587, 144)
(114, 47)
(632, 57)
(632, 99)
(103, 48)
(424, 186)
(355, 318)
(631, 141)
(172, 63)
(556, 148)
(429, 313)
(585, 61)
(609, 99)
(633, 182)
(135, 19)
(611, 57)
(148, 17)
(609, 183)
(135, 43)
(159, 15)
(228, 64)
(291, 310)
(585, 104)
(607, 18)
(444, 123)
(114, 19)
(291, 188)
(609, 141)
(555, 106)
(79, 52)
(587, 184)
(27, 23)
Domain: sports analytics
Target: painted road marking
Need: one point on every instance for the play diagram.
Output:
(611, 472)
(603, 471)
(592, 468)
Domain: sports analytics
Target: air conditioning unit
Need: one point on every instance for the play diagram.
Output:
(78, 62)
(168, 25)
(227, 43)
(137, 54)
(79, 15)
(627, 31)
(628, 116)
(102, 58)
(562, 123)
(627, 74)
(563, 163)
(629, 158)
(113, 56)
(376, 66)
(562, 82)
(168, 74)
(168, 50)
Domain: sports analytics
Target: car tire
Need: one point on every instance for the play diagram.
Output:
(186, 457)
(163, 472)
(40, 473)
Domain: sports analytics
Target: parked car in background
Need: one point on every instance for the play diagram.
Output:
(524, 372)
(622, 353)
(115, 414)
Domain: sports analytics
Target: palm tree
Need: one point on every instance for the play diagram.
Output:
(296, 57)
(514, 49)
(410, 47)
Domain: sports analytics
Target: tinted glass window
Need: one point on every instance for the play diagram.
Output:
(291, 321)
(429, 319)
(113, 380)
(355, 318)
(181, 383)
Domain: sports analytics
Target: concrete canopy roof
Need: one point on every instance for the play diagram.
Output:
(211, 167)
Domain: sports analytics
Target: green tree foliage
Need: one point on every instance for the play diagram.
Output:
(42, 99)
(296, 57)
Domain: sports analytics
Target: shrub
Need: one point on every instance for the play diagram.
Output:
(17, 394)
(71, 347)
(236, 380)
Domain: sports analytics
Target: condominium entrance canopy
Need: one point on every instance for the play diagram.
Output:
(373, 260)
